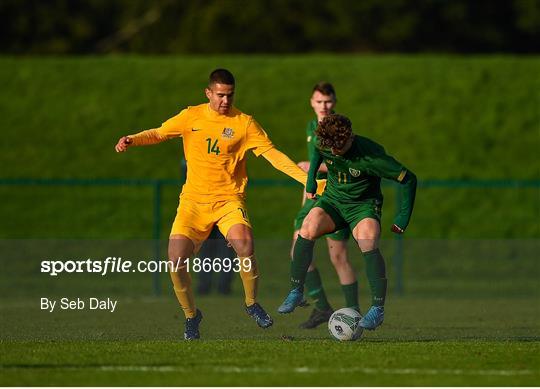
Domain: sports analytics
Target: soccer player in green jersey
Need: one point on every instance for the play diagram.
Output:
(323, 100)
(353, 199)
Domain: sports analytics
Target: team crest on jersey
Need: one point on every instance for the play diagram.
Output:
(227, 133)
(354, 172)
(329, 162)
(309, 138)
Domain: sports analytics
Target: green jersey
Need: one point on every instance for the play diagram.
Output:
(311, 137)
(356, 175)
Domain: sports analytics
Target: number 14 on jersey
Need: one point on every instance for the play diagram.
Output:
(212, 147)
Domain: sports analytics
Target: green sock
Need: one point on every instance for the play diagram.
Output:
(350, 292)
(302, 257)
(316, 291)
(376, 275)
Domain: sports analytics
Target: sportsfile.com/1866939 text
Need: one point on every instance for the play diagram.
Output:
(118, 265)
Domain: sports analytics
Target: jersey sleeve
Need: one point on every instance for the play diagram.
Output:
(314, 164)
(385, 166)
(256, 139)
(284, 164)
(175, 126)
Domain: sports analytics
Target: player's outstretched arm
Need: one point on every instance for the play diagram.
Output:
(304, 165)
(143, 138)
(284, 164)
(408, 195)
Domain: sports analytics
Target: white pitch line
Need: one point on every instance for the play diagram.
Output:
(284, 370)
(305, 369)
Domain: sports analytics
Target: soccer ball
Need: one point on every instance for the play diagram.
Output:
(343, 324)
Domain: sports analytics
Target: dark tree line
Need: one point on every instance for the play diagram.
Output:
(268, 26)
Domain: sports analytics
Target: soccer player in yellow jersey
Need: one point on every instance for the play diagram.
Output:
(216, 138)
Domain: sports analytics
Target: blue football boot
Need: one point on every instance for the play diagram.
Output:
(373, 318)
(192, 327)
(262, 318)
(294, 299)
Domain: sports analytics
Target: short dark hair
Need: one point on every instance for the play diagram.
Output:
(221, 76)
(325, 88)
(333, 131)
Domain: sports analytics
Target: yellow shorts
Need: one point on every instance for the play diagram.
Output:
(196, 220)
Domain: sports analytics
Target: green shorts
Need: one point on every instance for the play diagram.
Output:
(342, 234)
(349, 215)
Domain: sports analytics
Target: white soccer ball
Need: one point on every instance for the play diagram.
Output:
(343, 324)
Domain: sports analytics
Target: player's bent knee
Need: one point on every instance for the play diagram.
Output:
(179, 249)
(243, 247)
(308, 232)
(313, 231)
(368, 244)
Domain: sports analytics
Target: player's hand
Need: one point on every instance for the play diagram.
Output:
(321, 185)
(397, 229)
(123, 143)
(304, 165)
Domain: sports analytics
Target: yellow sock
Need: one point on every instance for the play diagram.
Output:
(182, 288)
(250, 279)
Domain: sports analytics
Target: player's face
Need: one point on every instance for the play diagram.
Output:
(322, 104)
(221, 97)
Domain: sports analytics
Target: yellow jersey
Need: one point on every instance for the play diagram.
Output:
(215, 147)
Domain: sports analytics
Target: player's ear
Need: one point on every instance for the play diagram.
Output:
(208, 92)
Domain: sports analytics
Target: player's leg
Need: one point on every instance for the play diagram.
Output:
(241, 239)
(367, 233)
(234, 225)
(317, 223)
(190, 228)
(337, 248)
(313, 284)
(180, 248)
(322, 310)
(314, 287)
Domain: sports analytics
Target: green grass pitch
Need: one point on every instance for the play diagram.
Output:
(462, 321)
(470, 314)
(433, 342)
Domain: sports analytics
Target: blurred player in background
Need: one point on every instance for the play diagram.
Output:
(353, 199)
(215, 247)
(216, 137)
(323, 100)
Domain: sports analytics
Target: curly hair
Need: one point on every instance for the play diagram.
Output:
(333, 131)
